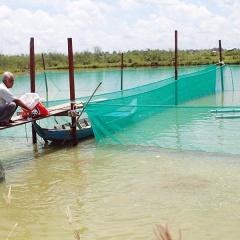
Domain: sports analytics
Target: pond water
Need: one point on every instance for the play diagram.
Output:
(117, 192)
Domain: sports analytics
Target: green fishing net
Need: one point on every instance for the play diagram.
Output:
(153, 109)
(169, 113)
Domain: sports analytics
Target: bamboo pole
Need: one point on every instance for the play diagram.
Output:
(45, 77)
(72, 89)
(221, 63)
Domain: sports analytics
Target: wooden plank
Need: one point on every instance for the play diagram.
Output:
(59, 110)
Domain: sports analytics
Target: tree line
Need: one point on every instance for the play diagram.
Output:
(101, 59)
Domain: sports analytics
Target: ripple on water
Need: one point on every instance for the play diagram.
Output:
(120, 192)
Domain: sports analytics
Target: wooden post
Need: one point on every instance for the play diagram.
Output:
(221, 63)
(122, 72)
(32, 65)
(176, 55)
(72, 89)
(220, 52)
(32, 80)
(176, 67)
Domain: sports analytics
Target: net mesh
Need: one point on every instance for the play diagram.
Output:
(167, 113)
(153, 110)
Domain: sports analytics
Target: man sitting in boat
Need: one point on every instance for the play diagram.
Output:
(8, 102)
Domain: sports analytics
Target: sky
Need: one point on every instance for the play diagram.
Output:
(117, 25)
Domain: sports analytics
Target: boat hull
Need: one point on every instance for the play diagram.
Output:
(59, 135)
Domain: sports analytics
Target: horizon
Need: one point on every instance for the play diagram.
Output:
(118, 52)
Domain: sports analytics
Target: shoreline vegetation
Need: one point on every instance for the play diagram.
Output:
(131, 59)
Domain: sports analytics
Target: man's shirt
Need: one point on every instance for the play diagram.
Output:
(5, 95)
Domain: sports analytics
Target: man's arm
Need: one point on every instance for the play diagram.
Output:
(23, 105)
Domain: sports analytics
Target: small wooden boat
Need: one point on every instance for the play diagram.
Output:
(60, 132)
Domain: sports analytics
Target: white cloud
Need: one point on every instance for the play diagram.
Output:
(130, 4)
(120, 26)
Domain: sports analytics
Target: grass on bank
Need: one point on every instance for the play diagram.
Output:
(136, 58)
